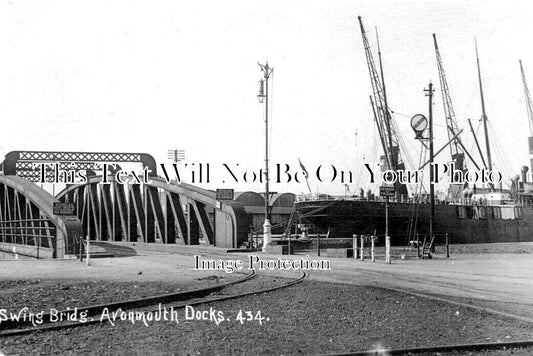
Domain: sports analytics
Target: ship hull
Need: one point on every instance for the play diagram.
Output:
(462, 223)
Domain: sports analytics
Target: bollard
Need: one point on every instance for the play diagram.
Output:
(354, 246)
(423, 247)
(447, 247)
(362, 248)
(417, 246)
(80, 240)
(87, 262)
(372, 250)
(387, 249)
(318, 244)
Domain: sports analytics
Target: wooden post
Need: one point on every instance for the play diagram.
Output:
(354, 246)
(372, 250)
(362, 247)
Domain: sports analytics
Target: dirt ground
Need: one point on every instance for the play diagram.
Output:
(310, 318)
(369, 305)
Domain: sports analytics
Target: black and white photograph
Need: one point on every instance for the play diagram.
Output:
(344, 177)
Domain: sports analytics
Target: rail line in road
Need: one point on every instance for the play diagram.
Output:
(186, 298)
(440, 349)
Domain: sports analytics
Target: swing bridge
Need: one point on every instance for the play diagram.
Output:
(36, 223)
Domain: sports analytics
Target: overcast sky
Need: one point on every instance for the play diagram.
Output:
(148, 76)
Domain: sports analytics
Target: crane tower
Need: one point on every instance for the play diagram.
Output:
(382, 113)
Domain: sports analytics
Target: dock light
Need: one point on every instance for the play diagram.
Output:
(261, 96)
(419, 123)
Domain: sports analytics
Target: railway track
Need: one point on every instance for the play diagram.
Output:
(442, 348)
(145, 305)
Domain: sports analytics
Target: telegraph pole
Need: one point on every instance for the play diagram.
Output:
(431, 177)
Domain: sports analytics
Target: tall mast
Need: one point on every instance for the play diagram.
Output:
(477, 144)
(484, 114)
(529, 106)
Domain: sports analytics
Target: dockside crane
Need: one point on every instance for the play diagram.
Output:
(456, 150)
(529, 107)
(382, 114)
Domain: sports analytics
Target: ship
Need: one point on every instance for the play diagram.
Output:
(466, 215)
(498, 219)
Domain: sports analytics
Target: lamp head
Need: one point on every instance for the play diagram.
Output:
(261, 96)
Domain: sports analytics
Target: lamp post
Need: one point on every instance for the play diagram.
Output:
(263, 97)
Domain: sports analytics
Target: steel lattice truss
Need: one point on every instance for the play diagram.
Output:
(456, 150)
(79, 156)
(25, 164)
(383, 116)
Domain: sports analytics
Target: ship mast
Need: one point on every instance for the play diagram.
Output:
(484, 114)
(477, 144)
(528, 99)
(529, 107)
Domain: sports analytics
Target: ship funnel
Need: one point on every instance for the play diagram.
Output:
(524, 173)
